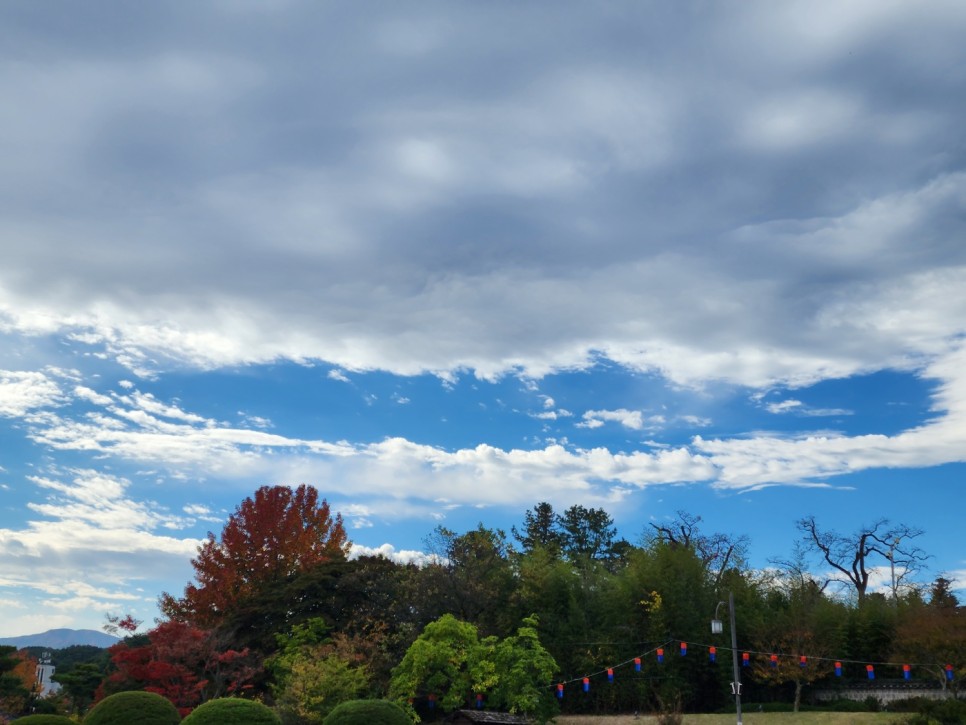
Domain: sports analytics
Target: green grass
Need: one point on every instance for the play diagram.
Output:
(751, 718)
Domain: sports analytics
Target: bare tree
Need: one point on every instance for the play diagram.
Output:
(855, 556)
(717, 551)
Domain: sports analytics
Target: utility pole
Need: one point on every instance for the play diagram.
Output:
(716, 629)
(734, 655)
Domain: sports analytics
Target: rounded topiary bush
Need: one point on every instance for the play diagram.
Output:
(44, 719)
(231, 711)
(127, 708)
(367, 712)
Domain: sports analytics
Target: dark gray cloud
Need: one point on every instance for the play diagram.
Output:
(675, 185)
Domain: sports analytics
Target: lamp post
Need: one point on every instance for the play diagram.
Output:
(716, 628)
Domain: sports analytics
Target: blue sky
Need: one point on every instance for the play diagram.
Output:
(446, 261)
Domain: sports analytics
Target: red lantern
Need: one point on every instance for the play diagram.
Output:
(712, 654)
(637, 664)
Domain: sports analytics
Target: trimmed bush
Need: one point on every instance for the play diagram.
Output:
(231, 711)
(367, 712)
(45, 719)
(127, 708)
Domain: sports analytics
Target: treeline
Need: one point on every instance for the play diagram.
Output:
(278, 611)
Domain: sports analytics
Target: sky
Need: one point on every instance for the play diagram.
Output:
(445, 261)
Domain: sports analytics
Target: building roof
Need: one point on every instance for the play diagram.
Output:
(491, 717)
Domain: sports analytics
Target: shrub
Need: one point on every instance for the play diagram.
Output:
(231, 711)
(367, 712)
(126, 708)
(44, 719)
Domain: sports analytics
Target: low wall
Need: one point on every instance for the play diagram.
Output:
(884, 693)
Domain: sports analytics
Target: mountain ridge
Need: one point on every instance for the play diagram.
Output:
(60, 638)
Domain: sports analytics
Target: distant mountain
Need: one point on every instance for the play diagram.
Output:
(60, 638)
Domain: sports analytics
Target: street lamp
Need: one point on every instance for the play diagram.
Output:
(716, 628)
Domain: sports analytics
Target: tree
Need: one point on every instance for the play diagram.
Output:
(80, 683)
(800, 621)
(854, 556)
(718, 552)
(541, 528)
(935, 634)
(587, 533)
(315, 672)
(18, 672)
(473, 576)
(443, 665)
(181, 663)
(525, 668)
(276, 534)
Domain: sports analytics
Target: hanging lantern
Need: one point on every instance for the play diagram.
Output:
(745, 659)
(560, 691)
(838, 669)
(774, 660)
(610, 674)
(906, 672)
(684, 648)
(660, 654)
(479, 701)
(949, 673)
(586, 684)
(432, 701)
(713, 654)
(803, 661)
(870, 671)
(637, 664)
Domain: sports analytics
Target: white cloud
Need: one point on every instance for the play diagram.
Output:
(388, 551)
(632, 419)
(21, 392)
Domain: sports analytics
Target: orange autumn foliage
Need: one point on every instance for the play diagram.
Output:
(271, 536)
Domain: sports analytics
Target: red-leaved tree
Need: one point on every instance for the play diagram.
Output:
(273, 535)
(182, 663)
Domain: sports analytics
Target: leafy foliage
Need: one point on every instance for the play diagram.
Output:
(272, 536)
(232, 711)
(44, 719)
(314, 673)
(440, 663)
(449, 662)
(125, 708)
(180, 662)
(17, 675)
(368, 712)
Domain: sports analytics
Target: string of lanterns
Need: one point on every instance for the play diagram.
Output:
(773, 660)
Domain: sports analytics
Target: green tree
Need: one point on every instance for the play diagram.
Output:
(444, 662)
(525, 670)
(79, 683)
(934, 634)
(587, 533)
(541, 529)
(473, 577)
(313, 673)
